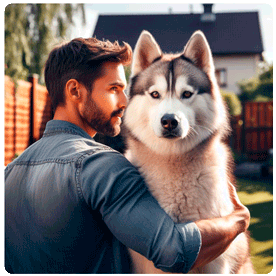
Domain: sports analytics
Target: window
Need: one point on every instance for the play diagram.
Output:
(221, 76)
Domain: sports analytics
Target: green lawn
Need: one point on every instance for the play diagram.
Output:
(258, 197)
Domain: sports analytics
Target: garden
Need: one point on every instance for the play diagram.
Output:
(257, 195)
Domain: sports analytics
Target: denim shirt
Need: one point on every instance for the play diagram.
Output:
(74, 205)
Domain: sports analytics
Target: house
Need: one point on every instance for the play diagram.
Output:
(235, 38)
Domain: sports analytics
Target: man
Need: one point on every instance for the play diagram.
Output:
(74, 205)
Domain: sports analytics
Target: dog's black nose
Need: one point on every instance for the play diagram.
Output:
(169, 121)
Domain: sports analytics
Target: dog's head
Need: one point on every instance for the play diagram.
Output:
(175, 102)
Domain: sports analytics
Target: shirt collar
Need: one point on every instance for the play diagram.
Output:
(59, 126)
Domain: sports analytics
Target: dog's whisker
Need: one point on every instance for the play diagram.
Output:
(210, 130)
(194, 132)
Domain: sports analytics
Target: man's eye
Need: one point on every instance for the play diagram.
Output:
(114, 88)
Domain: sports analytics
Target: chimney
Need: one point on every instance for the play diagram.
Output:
(208, 16)
(191, 9)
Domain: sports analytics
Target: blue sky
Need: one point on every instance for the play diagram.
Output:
(265, 15)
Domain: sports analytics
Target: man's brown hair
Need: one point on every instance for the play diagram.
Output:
(80, 59)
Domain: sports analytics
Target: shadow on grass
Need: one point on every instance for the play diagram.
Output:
(266, 253)
(250, 185)
(262, 230)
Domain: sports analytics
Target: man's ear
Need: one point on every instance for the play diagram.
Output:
(73, 90)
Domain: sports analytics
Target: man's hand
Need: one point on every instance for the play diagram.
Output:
(218, 233)
(239, 209)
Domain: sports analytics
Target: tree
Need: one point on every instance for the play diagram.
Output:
(258, 88)
(31, 30)
(265, 87)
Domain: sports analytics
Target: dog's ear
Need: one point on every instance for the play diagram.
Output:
(145, 52)
(198, 51)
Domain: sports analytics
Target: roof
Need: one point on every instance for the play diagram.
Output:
(230, 33)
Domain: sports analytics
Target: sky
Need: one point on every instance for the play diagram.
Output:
(265, 14)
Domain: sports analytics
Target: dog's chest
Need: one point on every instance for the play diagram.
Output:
(187, 190)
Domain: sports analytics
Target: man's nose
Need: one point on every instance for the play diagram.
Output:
(123, 100)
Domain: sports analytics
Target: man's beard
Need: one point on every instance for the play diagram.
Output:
(99, 121)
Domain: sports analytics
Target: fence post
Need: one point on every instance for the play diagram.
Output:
(14, 119)
(34, 136)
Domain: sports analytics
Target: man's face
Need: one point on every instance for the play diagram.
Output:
(104, 107)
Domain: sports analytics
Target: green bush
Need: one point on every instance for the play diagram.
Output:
(258, 88)
(233, 102)
(127, 72)
(248, 88)
(260, 98)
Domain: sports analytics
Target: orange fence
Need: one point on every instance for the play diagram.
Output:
(258, 126)
(27, 110)
(253, 130)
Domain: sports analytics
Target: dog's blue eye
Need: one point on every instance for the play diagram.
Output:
(186, 95)
(155, 94)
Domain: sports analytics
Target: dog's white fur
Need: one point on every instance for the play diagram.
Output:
(189, 174)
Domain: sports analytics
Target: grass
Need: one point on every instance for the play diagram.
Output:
(258, 197)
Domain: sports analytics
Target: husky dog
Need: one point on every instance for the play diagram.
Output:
(174, 126)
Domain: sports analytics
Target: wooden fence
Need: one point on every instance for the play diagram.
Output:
(27, 110)
(253, 130)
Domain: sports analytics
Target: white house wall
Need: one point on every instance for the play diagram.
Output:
(238, 67)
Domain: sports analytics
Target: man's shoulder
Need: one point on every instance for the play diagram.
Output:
(61, 149)
(105, 159)
(94, 151)
(105, 155)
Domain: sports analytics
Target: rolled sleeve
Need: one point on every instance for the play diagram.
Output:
(192, 242)
(114, 187)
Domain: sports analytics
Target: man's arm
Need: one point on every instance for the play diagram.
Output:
(111, 185)
(114, 187)
(217, 234)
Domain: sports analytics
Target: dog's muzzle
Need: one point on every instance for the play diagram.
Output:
(170, 124)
